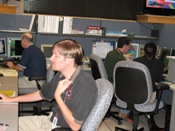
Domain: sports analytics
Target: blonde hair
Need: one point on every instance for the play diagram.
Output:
(70, 49)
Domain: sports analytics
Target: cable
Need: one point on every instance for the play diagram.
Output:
(144, 26)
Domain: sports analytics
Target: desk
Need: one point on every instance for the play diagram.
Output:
(9, 112)
(172, 121)
(8, 72)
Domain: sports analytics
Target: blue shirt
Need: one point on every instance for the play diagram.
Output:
(33, 62)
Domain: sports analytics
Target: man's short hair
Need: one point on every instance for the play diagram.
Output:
(70, 49)
(123, 41)
(26, 37)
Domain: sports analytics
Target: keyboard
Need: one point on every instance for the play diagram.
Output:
(4, 64)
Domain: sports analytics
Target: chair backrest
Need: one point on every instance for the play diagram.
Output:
(50, 74)
(97, 67)
(105, 94)
(132, 83)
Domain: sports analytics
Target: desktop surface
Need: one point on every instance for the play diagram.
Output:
(9, 115)
(9, 112)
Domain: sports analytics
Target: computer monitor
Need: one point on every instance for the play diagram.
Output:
(3, 48)
(47, 50)
(14, 47)
(163, 53)
(173, 52)
(134, 50)
(159, 7)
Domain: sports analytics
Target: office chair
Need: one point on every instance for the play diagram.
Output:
(99, 71)
(97, 67)
(105, 94)
(133, 90)
(37, 110)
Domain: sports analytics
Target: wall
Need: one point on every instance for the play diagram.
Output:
(166, 31)
(166, 35)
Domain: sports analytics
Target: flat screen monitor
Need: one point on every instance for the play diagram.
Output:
(173, 52)
(134, 50)
(47, 50)
(14, 47)
(3, 49)
(163, 53)
(160, 7)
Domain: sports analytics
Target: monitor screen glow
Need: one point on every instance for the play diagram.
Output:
(14, 47)
(163, 4)
(3, 49)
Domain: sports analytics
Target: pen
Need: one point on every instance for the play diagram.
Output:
(3, 124)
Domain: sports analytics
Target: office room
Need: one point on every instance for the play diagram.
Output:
(117, 20)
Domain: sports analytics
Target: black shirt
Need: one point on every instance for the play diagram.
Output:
(155, 66)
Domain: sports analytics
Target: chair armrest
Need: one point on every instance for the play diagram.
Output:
(37, 78)
(162, 86)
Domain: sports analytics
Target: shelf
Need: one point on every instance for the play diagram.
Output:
(97, 36)
(156, 19)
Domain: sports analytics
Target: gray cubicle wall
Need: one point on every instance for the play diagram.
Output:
(12, 22)
(166, 35)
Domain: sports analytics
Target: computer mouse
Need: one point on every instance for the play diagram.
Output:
(1, 75)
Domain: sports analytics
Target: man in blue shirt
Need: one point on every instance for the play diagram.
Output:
(32, 62)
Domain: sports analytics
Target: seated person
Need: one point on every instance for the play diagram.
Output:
(155, 66)
(74, 97)
(117, 55)
(32, 62)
